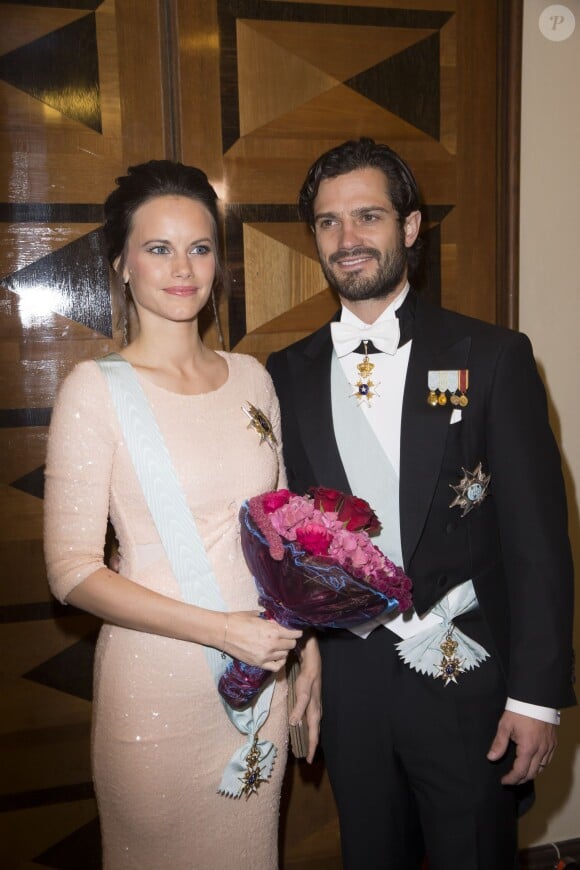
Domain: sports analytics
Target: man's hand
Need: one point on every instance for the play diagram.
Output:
(535, 743)
(308, 694)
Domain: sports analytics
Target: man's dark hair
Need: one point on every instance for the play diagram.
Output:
(365, 153)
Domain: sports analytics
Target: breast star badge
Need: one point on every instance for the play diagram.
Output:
(260, 423)
(471, 490)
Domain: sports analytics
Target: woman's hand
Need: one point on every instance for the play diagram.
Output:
(257, 641)
(308, 687)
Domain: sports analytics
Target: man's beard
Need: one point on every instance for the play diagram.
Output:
(356, 287)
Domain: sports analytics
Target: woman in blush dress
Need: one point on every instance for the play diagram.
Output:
(162, 738)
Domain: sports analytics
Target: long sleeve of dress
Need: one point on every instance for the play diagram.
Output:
(80, 453)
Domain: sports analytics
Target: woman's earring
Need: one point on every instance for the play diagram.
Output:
(217, 319)
(127, 302)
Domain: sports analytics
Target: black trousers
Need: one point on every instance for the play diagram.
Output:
(406, 757)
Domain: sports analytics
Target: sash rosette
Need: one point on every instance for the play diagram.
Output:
(314, 566)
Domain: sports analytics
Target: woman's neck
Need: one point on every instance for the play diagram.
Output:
(177, 360)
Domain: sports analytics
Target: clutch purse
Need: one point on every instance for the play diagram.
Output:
(298, 733)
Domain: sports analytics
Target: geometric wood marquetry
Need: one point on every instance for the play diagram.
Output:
(81, 849)
(71, 670)
(73, 281)
(20, 417)
(387, 84)
(324, 73)
(314, 18)
(50, 212)
(31, 483)
(60, 69)
(236, 217)
(331, 49)
(61, 4)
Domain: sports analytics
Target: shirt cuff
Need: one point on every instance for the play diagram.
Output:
(545, 714)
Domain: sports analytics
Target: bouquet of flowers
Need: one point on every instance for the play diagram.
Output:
(314, 566)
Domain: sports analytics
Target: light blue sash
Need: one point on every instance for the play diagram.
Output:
(184, 548)
(368, 469)
(371, 475)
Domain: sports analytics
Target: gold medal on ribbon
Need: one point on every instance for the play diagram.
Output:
(442, 387)
(432, 384)
(463, 386)
(365, 388)
(452, 386)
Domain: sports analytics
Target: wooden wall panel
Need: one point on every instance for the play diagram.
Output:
(296, 79)
(75, 112)
(252, 91)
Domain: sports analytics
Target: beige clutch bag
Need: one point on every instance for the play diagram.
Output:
(298, 733)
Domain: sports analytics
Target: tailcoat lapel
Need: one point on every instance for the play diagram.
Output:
(310, 370)
(424, 428)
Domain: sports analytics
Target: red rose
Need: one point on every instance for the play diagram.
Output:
(326, 499)
(314, 539)
(358, 515)
(273, 500)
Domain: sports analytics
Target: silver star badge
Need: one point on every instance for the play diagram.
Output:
(471, 490)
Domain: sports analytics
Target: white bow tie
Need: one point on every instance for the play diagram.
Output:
(346, 337)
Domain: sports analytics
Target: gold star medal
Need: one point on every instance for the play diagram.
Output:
(364, 387)
(471, 490)
(261, 424)
(252, 778)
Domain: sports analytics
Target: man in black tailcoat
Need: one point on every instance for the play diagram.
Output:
(432, 722)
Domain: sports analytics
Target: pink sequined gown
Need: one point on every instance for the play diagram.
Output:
(161, 737)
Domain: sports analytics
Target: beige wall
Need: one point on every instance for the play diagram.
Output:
(550, 315)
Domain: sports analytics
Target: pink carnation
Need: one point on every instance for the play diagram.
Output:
(271, 501)
(314, 539)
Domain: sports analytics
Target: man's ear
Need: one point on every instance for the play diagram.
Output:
(411, 228)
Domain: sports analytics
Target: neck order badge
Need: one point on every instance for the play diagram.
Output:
(365, 388)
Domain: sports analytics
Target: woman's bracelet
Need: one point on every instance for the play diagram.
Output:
(223, 653)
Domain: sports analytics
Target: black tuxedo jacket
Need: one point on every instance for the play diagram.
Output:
(514, 545)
